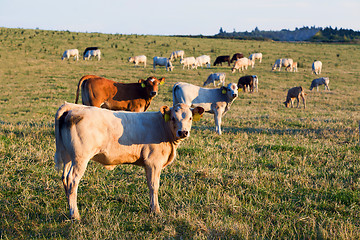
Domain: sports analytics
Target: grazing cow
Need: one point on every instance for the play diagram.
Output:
(295, 92)
(236, 56)
(150, 140)
(216, 101)
(90, 48)
(320, 81)
(283, 62)
(294, 67)
(187, 62)
(256, 56)
(316, 67)
(177, 54)
(221, 59)
(215, 77)
(249, 81)
(240, 64)
(71, 53)
(92, 53)
(202, 60)
(101, 92)
(138, 59)
(162, 61)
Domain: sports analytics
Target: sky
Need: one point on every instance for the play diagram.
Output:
(180, 17)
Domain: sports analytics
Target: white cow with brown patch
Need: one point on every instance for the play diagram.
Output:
(111, 138)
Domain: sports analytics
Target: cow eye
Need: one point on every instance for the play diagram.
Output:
(190, 118)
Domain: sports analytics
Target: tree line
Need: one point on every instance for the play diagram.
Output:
(311, 34)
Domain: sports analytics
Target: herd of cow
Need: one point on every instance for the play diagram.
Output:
(98, 131)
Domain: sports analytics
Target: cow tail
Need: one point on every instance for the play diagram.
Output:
(78, 87)
(59, 124)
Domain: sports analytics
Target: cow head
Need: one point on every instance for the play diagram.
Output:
(231, 91)
(180, 118)
(151, 85)
(131, 59)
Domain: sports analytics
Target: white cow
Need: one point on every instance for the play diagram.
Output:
(215, 77)
(148, 139)
(177, 54)
(92, 53)
(256, 56)
(283, 62)
(71, 53)
(138, 59)
(187, 62)
(162, 61)
(202, 60)
(216, 100)
(241, 64)
(316, 67)
(320, 81)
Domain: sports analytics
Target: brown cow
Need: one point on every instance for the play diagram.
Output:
(101, 92)
(295, 93)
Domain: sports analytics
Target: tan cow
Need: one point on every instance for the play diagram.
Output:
(111, 138)
(101, 92)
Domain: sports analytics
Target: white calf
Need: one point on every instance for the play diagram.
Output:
(162, 61)
(215, 77)
(138, 59)
(316, 67)
(187, 62)
(71, 53)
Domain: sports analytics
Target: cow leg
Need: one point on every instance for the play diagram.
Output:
(153, 182)
(76, 172)
(298, 101)
(218, 112)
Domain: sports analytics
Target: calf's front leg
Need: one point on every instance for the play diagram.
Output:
(153, 182)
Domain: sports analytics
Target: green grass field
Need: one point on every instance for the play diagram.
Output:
(274, 173)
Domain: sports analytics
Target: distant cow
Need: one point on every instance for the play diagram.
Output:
(320, 81)
(71, 53)
(162, 61)
(112, 138)
(92, 53)
(215, 77)
(90, 48)
(316, 67)
(101, 92)
(249, 81)
(177, 54)
(221, 59)
(295, 93)
(241, 64)
(236, 56)
(138, 59)
(202, 60)
(216, 100)
(187, 62)
(255, 56)
(283, 62)
(294, 67)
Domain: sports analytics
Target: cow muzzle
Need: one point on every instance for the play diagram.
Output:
(183, 134)
(153, 93)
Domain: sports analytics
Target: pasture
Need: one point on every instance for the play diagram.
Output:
(274, 173)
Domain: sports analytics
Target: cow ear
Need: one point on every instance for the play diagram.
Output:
(165, 111)
(142, 82)
(162, 80)
(197, 113)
